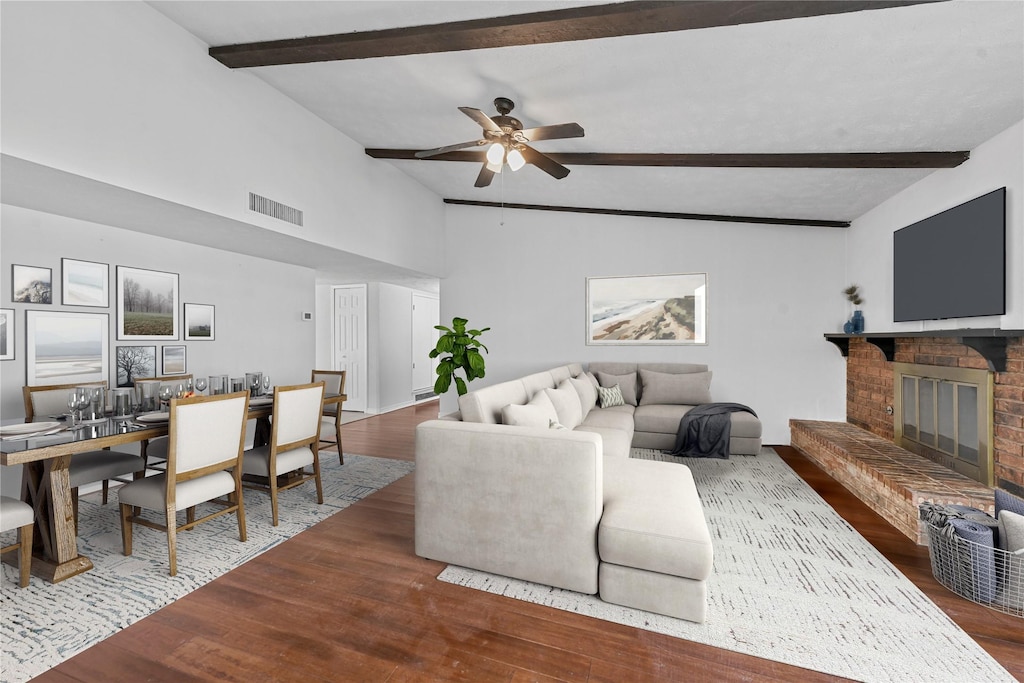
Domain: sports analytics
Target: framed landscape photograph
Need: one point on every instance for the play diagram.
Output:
(647, 309)
(199, 322)
(173, 360)
(134, 362)
(62, 347)
(6, 334)
(31, 285)
(147, 304)
(84, 283)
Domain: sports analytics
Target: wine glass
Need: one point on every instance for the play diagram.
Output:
(165, 397)
(200, 384)
(179, 391)
(82, 401)
(266, 384)
(254, 388)
(72, 407)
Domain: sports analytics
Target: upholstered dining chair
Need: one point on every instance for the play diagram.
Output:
(204, 465)
(154, 451)
(15, 514)
(90, 466)
(330, 428)
(293, 444)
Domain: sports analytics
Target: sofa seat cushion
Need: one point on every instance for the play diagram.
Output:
(664, 419)
(616, 442)
(653, 519)
(614, 419)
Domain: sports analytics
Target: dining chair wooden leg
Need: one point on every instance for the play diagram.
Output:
(240, 511)
(126, 529)
(74, 509)
(190, 514)
(106, 490)
(273, 497)
(25, 553)
(337, 436)
(316, 477)
(172, 539)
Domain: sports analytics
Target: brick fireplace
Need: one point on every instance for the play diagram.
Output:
(861, 453)
(870, 392)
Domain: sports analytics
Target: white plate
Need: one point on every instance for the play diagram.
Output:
(153, 417)
(28, 428)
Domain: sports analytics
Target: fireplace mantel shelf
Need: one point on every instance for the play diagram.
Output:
(989, 342)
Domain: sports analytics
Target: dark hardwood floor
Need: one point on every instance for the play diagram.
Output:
(348, 600)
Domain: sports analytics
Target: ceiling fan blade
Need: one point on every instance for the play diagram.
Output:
(555, 132)
(448, 148)
(486, 174)
(543, 162)
(482, 119)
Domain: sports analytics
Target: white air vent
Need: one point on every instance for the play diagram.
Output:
(268, 207)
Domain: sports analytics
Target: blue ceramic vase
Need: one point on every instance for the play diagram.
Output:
(858, 322)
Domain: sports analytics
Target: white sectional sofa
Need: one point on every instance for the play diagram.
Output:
(532, 479)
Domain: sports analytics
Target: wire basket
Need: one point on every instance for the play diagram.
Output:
(988, 576)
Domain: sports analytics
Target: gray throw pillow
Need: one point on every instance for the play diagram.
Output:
(627, 385)
(687, 389)
(1011, 531)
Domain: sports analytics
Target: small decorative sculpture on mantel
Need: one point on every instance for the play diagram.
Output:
(855, 325)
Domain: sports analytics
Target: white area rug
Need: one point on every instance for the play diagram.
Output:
(44, 624)
(793, 582)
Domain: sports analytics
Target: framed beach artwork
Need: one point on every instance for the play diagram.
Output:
(647, 309)
(199, 322)
(31, 285)
(134, 362)
(173, 360)
(84, 283)
(62, 347)
(147, 304)
(6, 334)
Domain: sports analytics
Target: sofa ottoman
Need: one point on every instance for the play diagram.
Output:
(653, 541)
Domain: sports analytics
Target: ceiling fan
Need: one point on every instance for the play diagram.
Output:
(508, 142)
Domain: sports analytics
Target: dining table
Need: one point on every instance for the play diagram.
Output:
(46, 486)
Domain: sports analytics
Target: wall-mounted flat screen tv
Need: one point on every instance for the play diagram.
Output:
(952, 265)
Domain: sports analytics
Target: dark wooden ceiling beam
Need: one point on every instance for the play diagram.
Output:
(807, 160)
(536, 28)
(656, 214)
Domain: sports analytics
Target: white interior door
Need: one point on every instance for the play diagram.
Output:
(426, 311)
(350, 342)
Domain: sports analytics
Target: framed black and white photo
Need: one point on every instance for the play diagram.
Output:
(84, 283)
(133, 363)
(6, 334)
(31, 285)
(647, 309)
(147, 304)
(173, 362)
(62, 347)
(200, 322)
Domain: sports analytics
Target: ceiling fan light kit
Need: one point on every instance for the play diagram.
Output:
(507, 142)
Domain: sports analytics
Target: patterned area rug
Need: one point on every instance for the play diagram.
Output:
(793, 582)
(45, 624)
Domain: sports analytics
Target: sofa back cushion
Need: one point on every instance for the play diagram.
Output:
(539, 413)
(539, 381)
(661, 388)
(567, 404)
(627, 385)
(673, 368)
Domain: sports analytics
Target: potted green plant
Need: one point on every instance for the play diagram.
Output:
(458, 348)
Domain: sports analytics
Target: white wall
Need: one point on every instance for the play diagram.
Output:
(395, 346)
(773, 292)
(258, 302)
(997, 163)
(117, 92)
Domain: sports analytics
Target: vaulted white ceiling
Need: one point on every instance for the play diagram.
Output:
(934, 77)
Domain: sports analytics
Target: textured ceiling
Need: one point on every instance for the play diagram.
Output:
(940, 77)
